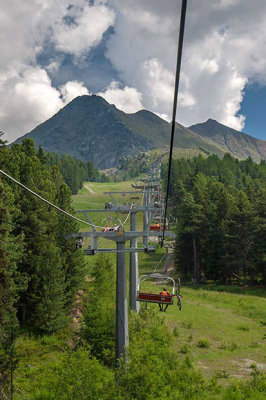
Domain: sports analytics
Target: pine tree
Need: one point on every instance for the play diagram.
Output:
(11, 283)
(50, 309)
(99, 315)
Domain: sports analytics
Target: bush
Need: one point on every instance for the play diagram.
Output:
(254, 390)
(233, 346)
(175, 332)
(154, 370)
(203, 343)
(99, 312)
(184, 349)
(78, 376)
(243, 328)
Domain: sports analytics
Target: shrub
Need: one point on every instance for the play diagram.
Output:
(190, 337)
(99, 312)
(175, 331)
(187, 324)
(184, 349)
(233, 346)
(153, 368)
(243, 328)
(203, 343)
(222, 374)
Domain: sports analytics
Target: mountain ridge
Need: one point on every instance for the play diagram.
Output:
(240, 144)
(89, 128)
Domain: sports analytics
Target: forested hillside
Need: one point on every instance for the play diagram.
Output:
(39, 270)
(74, 172)
(57, 309)
(220, 208)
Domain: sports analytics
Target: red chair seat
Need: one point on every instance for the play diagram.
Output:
(154, 298)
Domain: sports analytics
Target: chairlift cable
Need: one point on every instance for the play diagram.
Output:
(159, 263)
(127, 215)
(177, 78)
(56, 207)
(47, 201)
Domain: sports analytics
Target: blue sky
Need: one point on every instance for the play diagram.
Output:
(253, 107)
(125, 51)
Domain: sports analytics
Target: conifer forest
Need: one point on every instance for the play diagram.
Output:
(57, 306)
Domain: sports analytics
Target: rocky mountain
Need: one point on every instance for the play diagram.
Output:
(89, 128)
(231, 141)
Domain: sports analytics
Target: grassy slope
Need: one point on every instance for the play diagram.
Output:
(229, 321)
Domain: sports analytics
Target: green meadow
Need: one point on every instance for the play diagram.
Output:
(222, 329)
(223, 333)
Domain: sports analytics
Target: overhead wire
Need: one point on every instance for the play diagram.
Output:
(155, 269)
(131, 206)
(56, 207)
(47, 201)
(177, 78)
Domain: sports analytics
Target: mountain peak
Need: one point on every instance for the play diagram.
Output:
(211, 121)
(213, 127)
(232, 141)
(89, 128)
(89, 99)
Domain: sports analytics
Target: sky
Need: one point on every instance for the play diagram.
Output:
(125, 51)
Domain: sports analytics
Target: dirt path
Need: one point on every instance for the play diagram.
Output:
(89, 189)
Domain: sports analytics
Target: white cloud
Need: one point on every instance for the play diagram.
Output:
(31, 99)
(224, 48)
(163, 116)
(27, 95)
(225, 3)
(86, 30)
(209, 65)
(53, 67)
(73, 89)
(127, 99)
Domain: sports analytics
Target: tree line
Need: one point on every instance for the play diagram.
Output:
(154, 368)
(40, 271)
(74, 172)
(219, 209)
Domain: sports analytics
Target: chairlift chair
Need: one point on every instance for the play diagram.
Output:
(157, 227)
(80, 242)
(162, 300)
(108, 228)
(108, 205)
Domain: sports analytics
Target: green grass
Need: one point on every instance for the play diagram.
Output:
(227, 321)
(85, 200)
(219, 331)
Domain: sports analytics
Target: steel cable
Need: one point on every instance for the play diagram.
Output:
(177, 78)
